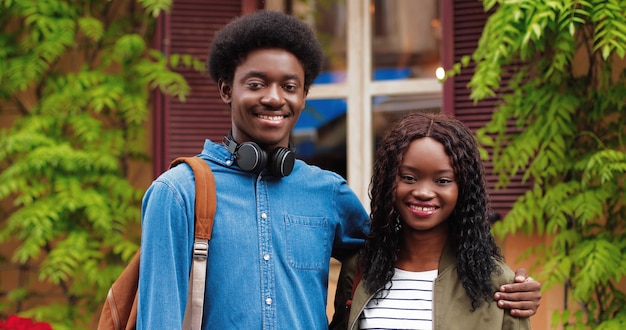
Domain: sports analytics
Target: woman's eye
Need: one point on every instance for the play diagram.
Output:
(444, 181)
(407, 178)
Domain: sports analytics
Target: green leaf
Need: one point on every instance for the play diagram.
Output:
(559, 124)
(92, 27)
(81, 76)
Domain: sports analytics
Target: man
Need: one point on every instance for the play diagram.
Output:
(278, 220)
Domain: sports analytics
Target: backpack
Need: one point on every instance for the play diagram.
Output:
(120, 308)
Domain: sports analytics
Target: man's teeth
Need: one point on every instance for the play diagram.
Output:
(272, 118)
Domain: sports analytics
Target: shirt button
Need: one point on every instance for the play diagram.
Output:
(263, 216)
(268, 301)
(229, 162)
(266, 257)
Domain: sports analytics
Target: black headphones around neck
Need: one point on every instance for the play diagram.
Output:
(250, 157)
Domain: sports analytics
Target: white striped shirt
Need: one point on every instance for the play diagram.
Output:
(405, 303)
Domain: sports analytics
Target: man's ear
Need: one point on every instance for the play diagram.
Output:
(225, 91)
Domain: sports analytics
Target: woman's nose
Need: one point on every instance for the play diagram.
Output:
(423, 191)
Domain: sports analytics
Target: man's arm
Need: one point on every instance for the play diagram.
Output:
(343, 293)
(165, 256)
(522, 297)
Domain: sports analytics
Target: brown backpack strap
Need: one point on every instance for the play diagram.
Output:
(206, 199)
(205, 204)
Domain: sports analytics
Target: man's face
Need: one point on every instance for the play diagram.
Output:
(266, 97)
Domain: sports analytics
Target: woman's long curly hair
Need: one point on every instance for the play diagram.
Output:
(469, 228)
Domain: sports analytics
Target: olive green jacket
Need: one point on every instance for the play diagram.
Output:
(451, 305)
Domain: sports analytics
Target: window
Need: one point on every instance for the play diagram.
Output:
(382, 56)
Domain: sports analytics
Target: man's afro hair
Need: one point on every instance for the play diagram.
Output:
(260, 30)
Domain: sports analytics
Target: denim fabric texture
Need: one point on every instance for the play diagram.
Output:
(269, 255)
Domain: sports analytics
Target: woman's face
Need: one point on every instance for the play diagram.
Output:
(426, 190)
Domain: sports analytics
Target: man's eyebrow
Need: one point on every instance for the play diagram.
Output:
(292, 76)
(256, 73)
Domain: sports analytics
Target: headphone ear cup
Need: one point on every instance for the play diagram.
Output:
(250, 157)
(282, 162)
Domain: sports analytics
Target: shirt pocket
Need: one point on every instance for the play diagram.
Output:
(307, 241)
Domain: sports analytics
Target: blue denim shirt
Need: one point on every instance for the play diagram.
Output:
(269, 255)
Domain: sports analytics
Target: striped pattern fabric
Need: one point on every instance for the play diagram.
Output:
(405, 303)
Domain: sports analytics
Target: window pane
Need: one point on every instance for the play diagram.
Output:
(320, 134)
(405, 39)
(386, 110)
(329, 20)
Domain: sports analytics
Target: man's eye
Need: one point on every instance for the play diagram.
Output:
(290, 88)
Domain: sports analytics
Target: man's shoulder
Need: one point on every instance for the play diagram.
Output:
(178, 171)
(307, 169)
(177, 178)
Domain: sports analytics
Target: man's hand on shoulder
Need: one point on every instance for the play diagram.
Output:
(522, 297)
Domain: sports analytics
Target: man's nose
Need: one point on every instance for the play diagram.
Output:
(272, 97)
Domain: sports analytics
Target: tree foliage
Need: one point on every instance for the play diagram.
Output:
(559, 69)
(79, 74)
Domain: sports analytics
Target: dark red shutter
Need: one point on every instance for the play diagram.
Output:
(180, 128)
(464, 20)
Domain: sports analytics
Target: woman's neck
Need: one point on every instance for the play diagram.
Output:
(421, 251)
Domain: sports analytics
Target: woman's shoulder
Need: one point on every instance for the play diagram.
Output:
(503, 274)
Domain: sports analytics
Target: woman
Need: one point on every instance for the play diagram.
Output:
(430, 261)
